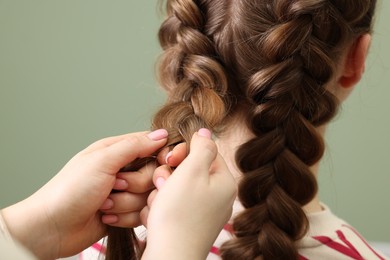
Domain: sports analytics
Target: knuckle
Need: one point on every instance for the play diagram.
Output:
(96, 157)
(129, 220)
(144, 182)
(208, 148)
(134, 141)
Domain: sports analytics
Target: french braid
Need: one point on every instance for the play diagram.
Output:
(270, 60)
(283, 61)
(194, 79)
(197, 86)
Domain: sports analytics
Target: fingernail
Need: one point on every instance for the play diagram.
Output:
(110, 219)
(158, 135)
(204, 132)
(160, 182)
(120, 184)
(108, 204)
(169, 155)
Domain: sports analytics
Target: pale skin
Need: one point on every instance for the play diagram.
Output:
(206, 180)
(55, 226)
(65, 212)
(350, 73)
(65, 216)
(351, 70)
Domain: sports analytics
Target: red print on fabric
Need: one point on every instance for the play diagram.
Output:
(346, 249)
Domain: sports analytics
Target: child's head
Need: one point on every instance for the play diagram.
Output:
(280, 67)
(240, 54)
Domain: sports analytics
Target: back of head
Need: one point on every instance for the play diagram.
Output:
(270, 61)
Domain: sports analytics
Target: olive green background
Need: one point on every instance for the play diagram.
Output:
(75, 71)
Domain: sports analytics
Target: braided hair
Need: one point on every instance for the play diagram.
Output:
(271, 61)
(197, 89)
(195, 81)
(283, 54)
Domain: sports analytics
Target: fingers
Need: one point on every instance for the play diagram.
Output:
(122, 209)
(219, 166)
(144, 216)
(123, 202)
(202, 153)
(160, 175)
(127, 209)
(126, 215)
(120, 184)
(127, 220)
(120, 153)
(203, 148)
(175, 157)
(222, 177)
(145, 211)
(139, 181)
(105, 142)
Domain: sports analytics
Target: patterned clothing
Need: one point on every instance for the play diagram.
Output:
(328, 238)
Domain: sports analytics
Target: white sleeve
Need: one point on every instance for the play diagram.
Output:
(3, 229)
(10, 249)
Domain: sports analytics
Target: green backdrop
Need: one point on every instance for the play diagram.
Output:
(75, 71)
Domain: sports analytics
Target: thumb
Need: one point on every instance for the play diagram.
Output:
(126, 150)
(203, 152)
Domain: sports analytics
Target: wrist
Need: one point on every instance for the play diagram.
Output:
(174, 248)
(26, 224)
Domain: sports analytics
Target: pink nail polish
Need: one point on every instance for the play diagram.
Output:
(169, 155)
(158, 135)
(160, 182)
(204, 132)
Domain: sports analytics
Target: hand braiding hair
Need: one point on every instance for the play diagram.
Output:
(271, 60)
(196, 85)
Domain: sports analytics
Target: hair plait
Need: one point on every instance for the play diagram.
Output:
(270, 61)
(193, 78)
(196, 85)
(285, 54)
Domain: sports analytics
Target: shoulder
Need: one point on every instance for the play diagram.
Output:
(331, 237)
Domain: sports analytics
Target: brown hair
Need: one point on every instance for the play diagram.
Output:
(270, 60)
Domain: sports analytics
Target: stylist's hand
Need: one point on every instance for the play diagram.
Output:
(63, 217)
(190, 208)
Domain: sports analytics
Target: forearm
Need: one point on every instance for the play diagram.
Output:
(28, 225)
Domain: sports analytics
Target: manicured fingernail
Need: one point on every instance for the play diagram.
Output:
(108, 204)
(204, 132)
(160, 182)
(120, 184)
(169, 155)
(158, 134)
(110, 219)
